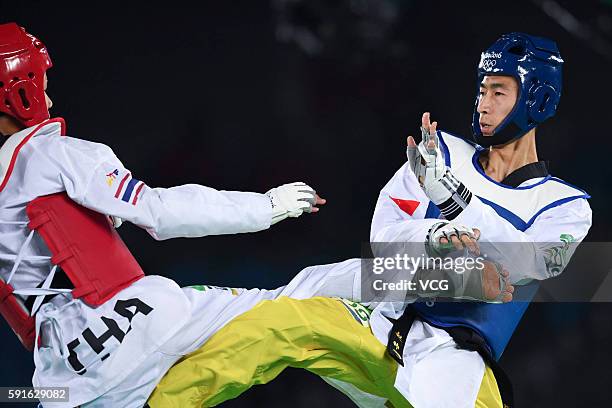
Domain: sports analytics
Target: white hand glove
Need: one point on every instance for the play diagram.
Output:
(437, 180)
(446, 230)
(427, 164)
(291, 200)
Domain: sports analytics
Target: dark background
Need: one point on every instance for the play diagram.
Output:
(249, 95)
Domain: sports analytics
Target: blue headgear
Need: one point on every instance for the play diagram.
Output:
(535, 62)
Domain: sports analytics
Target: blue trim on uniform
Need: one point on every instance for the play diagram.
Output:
(555, 204)
(479, 169)
(432, 211)
(444, 147)
(558, 180)
(517, 221)
(463, 139)
(128, 190)
(506, 214)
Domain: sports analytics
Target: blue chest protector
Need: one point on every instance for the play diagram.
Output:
(494, 322)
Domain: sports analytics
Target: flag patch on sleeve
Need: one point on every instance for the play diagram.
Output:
(407, 206)
(129, 189)
(110, 177)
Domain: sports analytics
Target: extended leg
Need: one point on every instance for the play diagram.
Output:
(325, 336)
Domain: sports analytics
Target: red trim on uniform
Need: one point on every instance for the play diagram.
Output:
(137, 192)
(62, 123)
(121, 185)
(407, 206)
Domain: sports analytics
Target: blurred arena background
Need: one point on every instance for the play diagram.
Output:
(247, 95)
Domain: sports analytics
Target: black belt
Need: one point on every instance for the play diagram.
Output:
(465, 337)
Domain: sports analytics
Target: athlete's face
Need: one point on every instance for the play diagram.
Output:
(48, 100)
(497, 98)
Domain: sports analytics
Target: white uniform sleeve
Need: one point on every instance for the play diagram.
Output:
(392, 224)
(532, 259)
(94, 177)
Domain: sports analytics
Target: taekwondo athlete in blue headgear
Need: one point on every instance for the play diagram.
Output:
(484, 190)
(535, 63)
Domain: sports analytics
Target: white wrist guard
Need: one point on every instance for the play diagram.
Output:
(291, 200)
(426, 164)
(444, 229)
(436, 179)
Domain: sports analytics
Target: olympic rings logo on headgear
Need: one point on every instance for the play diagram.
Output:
(488, 64)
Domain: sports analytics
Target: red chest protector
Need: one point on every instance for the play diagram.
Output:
(86, 246)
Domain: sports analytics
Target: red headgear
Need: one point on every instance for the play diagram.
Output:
(23, 62)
